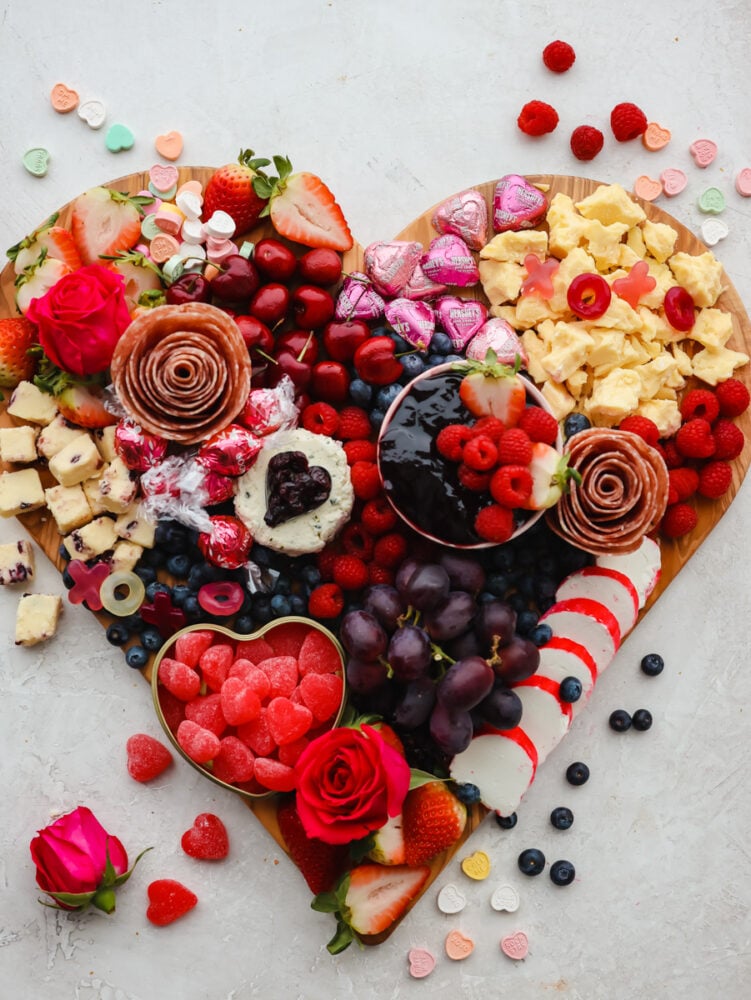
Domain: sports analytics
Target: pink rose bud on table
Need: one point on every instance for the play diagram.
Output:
(79, 863)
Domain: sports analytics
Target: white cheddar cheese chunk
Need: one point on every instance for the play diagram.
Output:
(31, 404)
(16, 562)
(37, 617)
(614, 397)
(20, 492)
(700, 275)
(610, 203)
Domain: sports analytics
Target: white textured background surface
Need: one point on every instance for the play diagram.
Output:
(396, 105)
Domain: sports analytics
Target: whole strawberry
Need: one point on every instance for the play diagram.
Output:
(230, 190)
(16, 337)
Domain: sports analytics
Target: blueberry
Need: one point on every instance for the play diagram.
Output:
(146, 573)
(574, 423)
(244, 624)
(152, 639)
(526, 621)
(486, 597)
(562, 873)
(570, 689)
(453, 358)
(376, 418)
(541, 634)
(577, 773)
(192, 609)
(310, 575)
(531, 861)
(527, 588)
(562, 818)
(400, 344)
(117, 634)
(179, 594)
(467, 793)
(137, 657)
(652, 664)
(297, 605)
(68, 580)
(360, 392)
(171, 536)
(620, 720)
(506, 822)
(441, 343)
(262, 612)
(497, 583)
(155, 587)
(545, 587)
(179, 565)
(386, 395)
(412, 366)
(280, 605)
(155, 557)
(282, 585)
(518, 603)
(433, 360)
(63, 552)
(133, 623)
(504, 558)
(641, 720)
(247, 605)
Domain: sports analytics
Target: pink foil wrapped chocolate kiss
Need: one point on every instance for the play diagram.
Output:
(450, 262)
(464, 215)
(414, 321)
(517, 204)
(389, 265)
(461, 319)
(497, 335)
(358, 299)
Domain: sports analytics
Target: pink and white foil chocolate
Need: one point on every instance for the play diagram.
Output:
(358, 299)
(449, 261)
(500, 337)
(420, 286)
(413, 321)
(465, 215)
(389, 265)
(460, 319)
(517, 204)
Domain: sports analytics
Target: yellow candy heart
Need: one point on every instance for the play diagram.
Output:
(477, 865)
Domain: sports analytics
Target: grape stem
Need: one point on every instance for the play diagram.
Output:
(495, 658)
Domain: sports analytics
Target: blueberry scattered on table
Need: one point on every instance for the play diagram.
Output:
(531, 861)
(620, 720)
(506, 822)
(562, 873)
(562, 818)
(652, 664)
(641, 720)
(577, 773)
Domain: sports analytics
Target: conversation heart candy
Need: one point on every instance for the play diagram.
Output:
(459, 946)
(505, 898)
(647, 188)
(655, 137)
(36, 161)
(517, 204)
(119, 138)
(163, 178)
(464, 215)
(712, 201)
(389, 265)
(169, 145)
(500, 337)
(515, 945)
(450, 262)
(673, 181)
(63, 99)
(420, 286)
(703, 151)
(451, 899)
(414, 321)
(421, 962)
(358, 299)
(461, 319)
(476, 866)
(743, 182)
(93, 113)
(713, 230)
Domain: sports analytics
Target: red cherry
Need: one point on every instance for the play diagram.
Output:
(255, 333)
(679, 308)
(313, 307)
(330, 382)
(375, 362)
(289, 364)
(301, 343)
(320, 267)
(270, 303)
(237, 281)
(274, 260)
(588, 296)
(188, 288)
(341, 339)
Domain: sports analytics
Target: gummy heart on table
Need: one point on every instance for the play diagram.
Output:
(517, 204)
(207, 839)
(168, 901)
(147, 757)
(294, 487)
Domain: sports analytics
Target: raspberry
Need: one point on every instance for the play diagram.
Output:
(537, 118)
(729, 439)
(558, 56)
(733, 397)
(678, 520)
(320, 418)
(491, 427)
(715, 479)
(378, 516)
(356, 541)
(515, 448)
(350, 572)
(147, 757)
(390, 550)
(326, 601)
(366, 482)
(480, 454)
(627, 122)
(325, 561)
(539, 425)
(379, 574)
(495, 524)
(360, 451)
(684, 481)
(476, 482)
(451, 440)
(700, 403)
(353, 423)
(645, 428)
(511, 485)
(673, 458)
(586, 142)
(694, 439)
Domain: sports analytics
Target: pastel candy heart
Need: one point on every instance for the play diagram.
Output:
(713, 230)
(500, 337)
(515, 945)
(655, 137)
(420, 286)
(517, 204)
(93, 113)
(647, 188)
(414, 321)
(458, 946)
(703, 151)
(450, 262)
(477, 866)
(163, 177)
(119, 138)
(63, 99)
(36, 161)
(421, 963)
(169, 145)
(505, 898)
(389, 265)
(461, 319)
(673, 181)
(358, 299)
(464, 215)
(451, 899)
(743, 182)
(712, 200)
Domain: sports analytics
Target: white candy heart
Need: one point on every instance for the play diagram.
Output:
(713, 230)
(505, 897)
(451, 899)
(93, 113)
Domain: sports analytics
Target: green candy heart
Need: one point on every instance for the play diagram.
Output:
(119, 138)
(712, 200)
(36, 161)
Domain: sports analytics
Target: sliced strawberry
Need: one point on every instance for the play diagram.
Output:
(84, 406)
(550, 476)
(36, 281)
(105, 222)
(388, 843)
(321, 864)
(378, 896)
(54, 240)
(491, 389)
(434, 819)
(303, 209)
(16, 337)
(230, 190)
(140, 275)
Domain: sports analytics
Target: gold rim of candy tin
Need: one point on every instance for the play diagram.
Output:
(257, 634)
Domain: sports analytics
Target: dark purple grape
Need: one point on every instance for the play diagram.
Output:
(451, 731)
(451, 618)
(404, 573)
(427, 587)
(365, 676)
(362, 636)
(495, 618)
(416, 704)
(465, 573)
(409, 653)
(464, 645)
(517, 661)
(384, 603)
(465, 683)
(502, 708)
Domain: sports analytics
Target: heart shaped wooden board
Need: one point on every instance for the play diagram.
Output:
(675, 554)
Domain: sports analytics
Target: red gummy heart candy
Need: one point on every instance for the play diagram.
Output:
(215, 663)
(207, 839)
(287, 721)
(206, 711)
(234, 763)
(287, 639)
(282, 673)
(273, 775)
(254, 649)
(322, 694)
(240, 703)
(168, 901)
(256, 679)
(257, 735)
(289, 753)
(147, 757)
(200, 744)
(190, 646)
(180, 679)
(172, 708)
(318, 655)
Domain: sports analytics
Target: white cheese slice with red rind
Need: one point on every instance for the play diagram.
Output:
(642, 567)
(545, 718)
(589, 623)
(501, 764)
(609, 587)
(561, 658)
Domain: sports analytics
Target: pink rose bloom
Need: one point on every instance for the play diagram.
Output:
(81, 318)
(349, 782)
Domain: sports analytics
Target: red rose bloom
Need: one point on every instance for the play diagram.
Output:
(349, 782)
(81, 318)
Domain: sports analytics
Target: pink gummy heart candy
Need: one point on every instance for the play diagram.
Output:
(288, 721)
(390, 264)
(322, 694)
(234, 763)
(461, 319)
(282, 674)
(257, 735)
(198, 743)
(450, 262)
(319, 655)
(206, 711)
(464, 215)
(517, 204)
(414, 321)
(501, 338)
(240, 703)
(179, 679)
(215, 663)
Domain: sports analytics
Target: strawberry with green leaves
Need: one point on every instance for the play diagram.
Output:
(141, 277)
(551, 477)
(231, 190)
(104, 223)
(321, 864)
(16, 364)
(303, 209)
(54, 240)
(491, 389)
(37, 279)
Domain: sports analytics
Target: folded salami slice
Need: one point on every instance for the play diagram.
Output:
(183, 372)
(622, 495)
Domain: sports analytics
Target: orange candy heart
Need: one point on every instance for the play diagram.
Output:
(170, 145)
(647, 188)
(655, 137)
(63, 99)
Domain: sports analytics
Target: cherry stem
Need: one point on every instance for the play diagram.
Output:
(305, 346)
